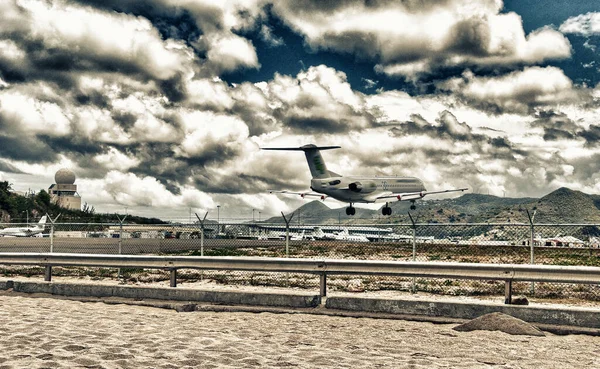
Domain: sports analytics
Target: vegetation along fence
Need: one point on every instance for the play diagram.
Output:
(500, 243)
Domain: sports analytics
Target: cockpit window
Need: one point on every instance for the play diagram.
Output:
(336, 182)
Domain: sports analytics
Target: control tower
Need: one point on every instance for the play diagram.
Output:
(64, 191)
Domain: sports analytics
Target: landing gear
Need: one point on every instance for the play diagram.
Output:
(350, 210)
(386, 210)
(412, 205)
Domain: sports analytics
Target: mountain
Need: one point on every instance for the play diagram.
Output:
(561, 206)
(318, 213)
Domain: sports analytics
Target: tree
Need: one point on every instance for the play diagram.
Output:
(43, 199)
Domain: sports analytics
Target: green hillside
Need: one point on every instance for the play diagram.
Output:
(560, 206)
(16, 208)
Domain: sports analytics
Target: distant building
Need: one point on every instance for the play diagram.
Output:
(64, 191)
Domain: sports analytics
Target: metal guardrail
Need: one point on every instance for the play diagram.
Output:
(507, 272)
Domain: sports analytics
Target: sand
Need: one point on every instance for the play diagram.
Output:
(56, 333)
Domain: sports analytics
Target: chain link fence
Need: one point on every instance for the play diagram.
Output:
(505, 243)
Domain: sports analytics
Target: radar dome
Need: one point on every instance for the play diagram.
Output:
(64, 176)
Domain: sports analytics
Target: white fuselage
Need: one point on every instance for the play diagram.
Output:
(361, 189)
(21, 231)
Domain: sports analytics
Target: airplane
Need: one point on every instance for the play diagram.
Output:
(25, 231)
(344, 235)
(357, 189)
(301, 237)
(319, 234)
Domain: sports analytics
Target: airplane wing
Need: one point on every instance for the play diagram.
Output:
(302, 194)
(388, 197)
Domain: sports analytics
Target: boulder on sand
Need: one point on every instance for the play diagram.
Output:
(500, 322)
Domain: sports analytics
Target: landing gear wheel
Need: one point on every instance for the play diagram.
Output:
(386, 210)
(350, 210)
(413, 207)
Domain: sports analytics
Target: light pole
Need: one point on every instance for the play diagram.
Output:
(253, 215)
(259, 216)
(218, 221)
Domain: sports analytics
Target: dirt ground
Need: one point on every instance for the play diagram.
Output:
(56, 333)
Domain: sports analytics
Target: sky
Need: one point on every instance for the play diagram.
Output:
(160, 107)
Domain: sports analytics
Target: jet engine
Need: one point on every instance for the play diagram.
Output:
(365, 187)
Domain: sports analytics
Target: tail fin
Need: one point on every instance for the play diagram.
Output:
(316, 164)
(42, 222)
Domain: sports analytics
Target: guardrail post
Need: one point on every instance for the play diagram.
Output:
(323, 285)
(414, 250)
(508, 292)
(531, 248)
(173, 277)
(48, 273)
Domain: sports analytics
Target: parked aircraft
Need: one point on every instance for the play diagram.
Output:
(344, 235)
(357, 189)
(319, 234)
(25, 231)
(301, 237)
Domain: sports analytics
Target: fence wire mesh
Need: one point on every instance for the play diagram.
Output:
(506, 243)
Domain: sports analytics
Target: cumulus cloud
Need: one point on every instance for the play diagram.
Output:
(61, 36)
(131, 190)
(229, 53)
(210, 28)
(516, 92)
(266, 34)
(143, 116)
(584, 24)
(410, 39)
(317, 100)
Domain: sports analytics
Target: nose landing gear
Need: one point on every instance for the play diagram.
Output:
(412, 205)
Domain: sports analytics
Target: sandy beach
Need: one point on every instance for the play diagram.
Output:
(56, 333)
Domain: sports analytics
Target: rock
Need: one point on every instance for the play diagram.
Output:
(519, 300)
(186, 308)
(500, 322)
(355, 285)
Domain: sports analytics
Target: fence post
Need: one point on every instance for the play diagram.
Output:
(531, 248)
(287, 233)
(414, 249)
(120, 238)
(201, 222)
(52, 221)
(287, 244)
(121, 231)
